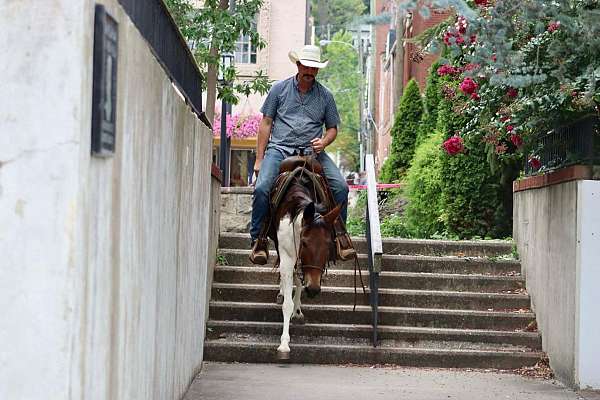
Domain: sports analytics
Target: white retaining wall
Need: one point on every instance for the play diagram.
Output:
(103, 262)
(557, 230)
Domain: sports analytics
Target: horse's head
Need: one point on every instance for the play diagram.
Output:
(316, 243)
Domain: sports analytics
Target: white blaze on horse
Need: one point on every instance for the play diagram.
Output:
(305, 244)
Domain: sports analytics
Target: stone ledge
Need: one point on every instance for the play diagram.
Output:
(572, 173)
(237, 190)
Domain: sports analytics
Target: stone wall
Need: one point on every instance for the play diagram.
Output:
(236, 209)
(103, 274)
(557, 231)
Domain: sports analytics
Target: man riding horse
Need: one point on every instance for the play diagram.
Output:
(294, 113)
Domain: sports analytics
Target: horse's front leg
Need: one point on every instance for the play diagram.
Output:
(286, 273)
(297, 315)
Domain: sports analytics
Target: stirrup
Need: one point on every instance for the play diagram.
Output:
(260, 252)
(345, 250)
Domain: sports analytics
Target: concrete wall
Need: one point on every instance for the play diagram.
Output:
(557, 230)
(103, 273)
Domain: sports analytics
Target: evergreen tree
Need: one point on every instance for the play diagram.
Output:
(423, 188)
(404, 133)
(431, 99)
(471, 195)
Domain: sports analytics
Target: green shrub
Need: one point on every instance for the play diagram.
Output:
(431, 100)
(355, 223)
(471, 193)
(394, 226)
(404, 133)
(424, 189)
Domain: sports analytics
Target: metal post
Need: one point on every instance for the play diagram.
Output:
(224, 148)
(361, 101)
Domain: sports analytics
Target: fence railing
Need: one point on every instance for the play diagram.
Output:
(578, 143)
(156, 25)
(374, 244)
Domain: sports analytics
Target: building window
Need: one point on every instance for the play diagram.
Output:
(245, 50)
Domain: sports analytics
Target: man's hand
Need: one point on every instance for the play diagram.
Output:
(257, 163)
(318, 145)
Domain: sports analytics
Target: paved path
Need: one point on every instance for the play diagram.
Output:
(219, 381)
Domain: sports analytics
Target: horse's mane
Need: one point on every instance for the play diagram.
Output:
(296, 199)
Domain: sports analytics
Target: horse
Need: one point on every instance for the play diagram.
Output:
(303, 236)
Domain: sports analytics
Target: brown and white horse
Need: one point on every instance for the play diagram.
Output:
(305, 240)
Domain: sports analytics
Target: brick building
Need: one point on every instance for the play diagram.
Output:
(415, 65)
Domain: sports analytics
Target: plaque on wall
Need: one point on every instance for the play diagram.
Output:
(104, 97)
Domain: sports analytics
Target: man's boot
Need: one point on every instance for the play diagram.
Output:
(260, 251)
(343, 244)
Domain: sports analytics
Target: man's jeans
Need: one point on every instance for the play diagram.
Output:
(269, 170)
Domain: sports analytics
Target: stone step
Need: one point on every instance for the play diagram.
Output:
(396, 280)
(397, 316)
(306, 353)
(405, 263)
(387, 297)
(410, 335)
(479, 248)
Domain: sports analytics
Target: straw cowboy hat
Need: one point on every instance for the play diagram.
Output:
(309, 56)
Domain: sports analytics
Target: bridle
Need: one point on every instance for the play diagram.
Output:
(300, 266)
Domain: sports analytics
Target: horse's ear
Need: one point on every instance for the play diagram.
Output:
(309, 212)
(333, 214)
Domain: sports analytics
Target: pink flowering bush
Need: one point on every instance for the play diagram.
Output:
(468, 86)
(238, 126)
(454, 145)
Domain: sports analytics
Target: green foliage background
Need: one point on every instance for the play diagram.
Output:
(404, 133)
(424, 189)
(342, 78)
(471, 194)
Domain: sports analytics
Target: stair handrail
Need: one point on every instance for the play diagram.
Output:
(374, 243)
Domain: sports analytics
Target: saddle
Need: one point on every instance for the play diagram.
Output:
(306, 166)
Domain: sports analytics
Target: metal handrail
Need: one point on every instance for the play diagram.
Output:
(374, 244)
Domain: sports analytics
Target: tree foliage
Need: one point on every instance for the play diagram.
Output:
(431, 100)
(338, 14)
(342, 78)
(209, 26)
(424, 188)
(404, 133)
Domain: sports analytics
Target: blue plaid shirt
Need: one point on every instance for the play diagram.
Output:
(298, 118)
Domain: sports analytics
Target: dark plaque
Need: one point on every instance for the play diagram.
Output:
(104, 98)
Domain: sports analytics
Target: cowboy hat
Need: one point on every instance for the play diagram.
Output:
(309, 56)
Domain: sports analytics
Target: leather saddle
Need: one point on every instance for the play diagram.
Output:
(311, 171)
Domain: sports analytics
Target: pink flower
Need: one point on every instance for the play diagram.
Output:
(447, 69)
(517, 140)
(468, 86)
(535, 163)
(512, 92)
(473, 38)
(494, 58)
(471, 67)
(454, 145)
(504, 118)
(461, 25)
(238, 126)
(475, 96)
(510, 128)
(482, 3)
(554, 26)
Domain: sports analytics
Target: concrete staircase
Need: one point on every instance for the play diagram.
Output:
(442, 304)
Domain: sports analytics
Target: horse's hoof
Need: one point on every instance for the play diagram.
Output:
(283, 355)
(279, 298)
(298, 319)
